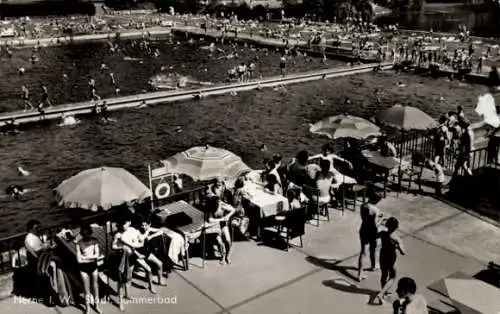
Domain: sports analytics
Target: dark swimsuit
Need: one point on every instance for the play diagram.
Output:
(388, 253)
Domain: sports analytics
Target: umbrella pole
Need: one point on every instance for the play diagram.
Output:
(401, 145)
(151, 187)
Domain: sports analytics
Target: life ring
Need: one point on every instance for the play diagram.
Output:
(162, 190)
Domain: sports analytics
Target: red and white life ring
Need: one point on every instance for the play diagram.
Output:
(162, 190)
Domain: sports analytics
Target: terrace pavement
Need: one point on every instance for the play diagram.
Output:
(317, 278)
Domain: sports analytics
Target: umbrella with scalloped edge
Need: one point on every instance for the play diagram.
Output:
(100, 188)
(206, 162)
(406, 118)
(345, 126)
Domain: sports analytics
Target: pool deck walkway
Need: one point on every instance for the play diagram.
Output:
(318, 278)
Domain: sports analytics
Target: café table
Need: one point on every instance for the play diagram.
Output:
(385, 165)
(468, 294)
(190, 231)
(266, 203)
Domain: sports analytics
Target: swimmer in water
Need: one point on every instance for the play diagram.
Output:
(10, 127)
(68, 120)
(15, 191)
(112, 78)
(142, 105)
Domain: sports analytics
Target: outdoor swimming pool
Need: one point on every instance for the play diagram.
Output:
(131, 66)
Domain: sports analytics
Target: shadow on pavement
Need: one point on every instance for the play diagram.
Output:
(345, 286)
(333, 264)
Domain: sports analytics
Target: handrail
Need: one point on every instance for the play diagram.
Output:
(408, 143)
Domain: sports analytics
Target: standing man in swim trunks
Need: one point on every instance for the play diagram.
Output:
(242, 69)
(25, 96)
(371, 217)
(283, 65)
(391, 245)
(45, 100)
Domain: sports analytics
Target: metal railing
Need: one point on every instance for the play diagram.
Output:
(12, 247)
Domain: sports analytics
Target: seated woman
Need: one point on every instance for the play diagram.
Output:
(325, 183)
(87, 254)
(272, 185)
(438, 173)
(240, 220)
(219, 214)
(293, 200)
(297, 173)
(385, 147)
(217, 189)
(149, 233)
(178, 184)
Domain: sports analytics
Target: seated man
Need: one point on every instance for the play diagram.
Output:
(41, 259)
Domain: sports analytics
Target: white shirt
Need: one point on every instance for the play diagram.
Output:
(131, 236)
(33, 244)
(416, 305)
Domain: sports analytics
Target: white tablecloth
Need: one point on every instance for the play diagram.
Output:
(267, 202)
(177, 247)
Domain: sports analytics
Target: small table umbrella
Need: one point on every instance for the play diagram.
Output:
(342, 126)
(469, 295)
(205, 163)
(97, 188)
(406, 118)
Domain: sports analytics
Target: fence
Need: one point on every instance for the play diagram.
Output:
(12, 250)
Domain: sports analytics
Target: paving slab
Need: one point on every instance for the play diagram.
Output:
(317, 278)
(416, 211)
(255, 269)
(466, 235)
(336, 239)
(321, 293)
(17, 305)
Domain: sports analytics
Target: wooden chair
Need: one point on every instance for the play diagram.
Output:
(290, 225)
(355, 190)
(411, 174)
(313, 206)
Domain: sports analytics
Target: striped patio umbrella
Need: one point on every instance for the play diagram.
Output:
(100, 188)
(342, 126)
(469, 295)
(205, 163)
(406, 118)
